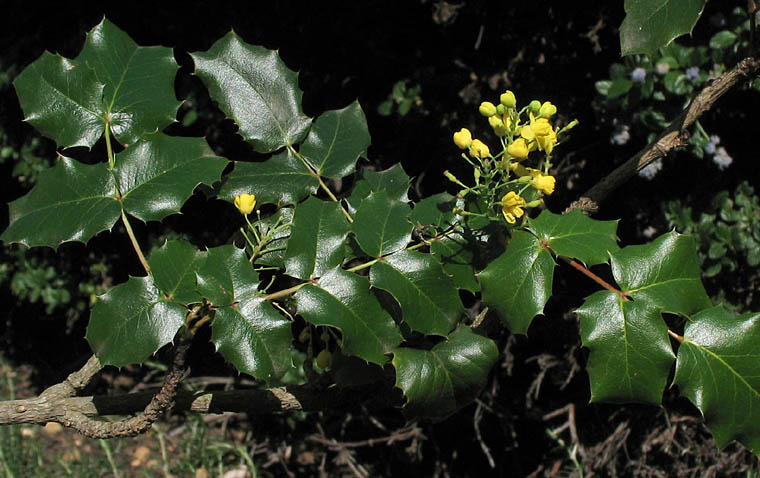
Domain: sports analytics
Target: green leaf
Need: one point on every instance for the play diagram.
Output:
(62, 99)
(336, 141)
(630, 355)
(274, 253)
(131, 322)
(653, 24)
(174, 266)
(282, 179)
(665, 272)
(458, 255)
(718, 369)
(70, 202)
(227, 276)
(435, 210)
(519, 282)
(577, 235)
(253, 86)
(253, 337)
(157, 174)
(619, 87)
(393, 180)
(317, 237)
(381, 225)
(723, 39)
(139, 82)
(439, 381)
(429, 301)
(343, 300)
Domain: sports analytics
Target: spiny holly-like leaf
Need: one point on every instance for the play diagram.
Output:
(70, 202)
(336, 141)
(253, 337)
(718, 369)
(157, 174)
(282, 179)
(227, 276)
(393, 180)
(317, 237)
(519, 282)
(381, 225)
(132, 321)
(439, 381)
(62, 99)
(577, 235)
(630, 355)
(254, 87)
(174, 266)
(458, 254)
(429, 301)
(665, 272)
(435, 210)
(653, 24)
(139, 82)
(343, 300)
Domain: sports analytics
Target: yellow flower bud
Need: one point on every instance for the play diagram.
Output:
(544, 183)
(534, 106)
(500, 109)
(478, 149)
(518, 149)
(571, 125)
(508, 99)
(497, 124)
(547, 110)
(487, 108)
(463, 138)
(324, 359)
(245, 203)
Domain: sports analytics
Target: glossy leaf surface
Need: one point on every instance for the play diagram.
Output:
(227, 276)
(381, 225)
(255, 89)
(173, 266)
(576, 235)
(336, 140)
(653, 24)
(439, 381)
(317, 239)
(457, 253)
(281, 179)
(429, 301)
(70, 202)
(519, 282)
(157, 174)
(630, 354)
(393, 181)
(435, 210)
(132, 321)
(718, 369)
(138, 97)
(343, 300)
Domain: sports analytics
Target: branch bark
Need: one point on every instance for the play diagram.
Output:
(674, 136)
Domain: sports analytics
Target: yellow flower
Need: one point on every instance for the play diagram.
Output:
(487, 108)
(540, 131)
(511, 206)
(544, 183)
(478, 149)
(499, 128)
(547, 109)
(245, 203)
(463, 138)
(508, 99)
(518, 149)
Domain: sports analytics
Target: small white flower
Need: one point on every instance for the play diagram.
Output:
(651, 169)
(638, 75)
(722, 159)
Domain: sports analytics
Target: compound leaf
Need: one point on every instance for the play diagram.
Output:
(630, 355)
(429, 301)
(577, 235)
(653, 24)
(253, 86)
(132, 321)
(718, 369)
(439, 381)
(519, 282)
(343, 300)
(282, 179)
(317, 237)
(138, 97)
(70, 202)
(381, 225)
(336, 140)
(173, 266)
(158, 173)
(664, 272)
(227, 277)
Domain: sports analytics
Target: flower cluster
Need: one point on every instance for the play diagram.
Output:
(504, 175)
